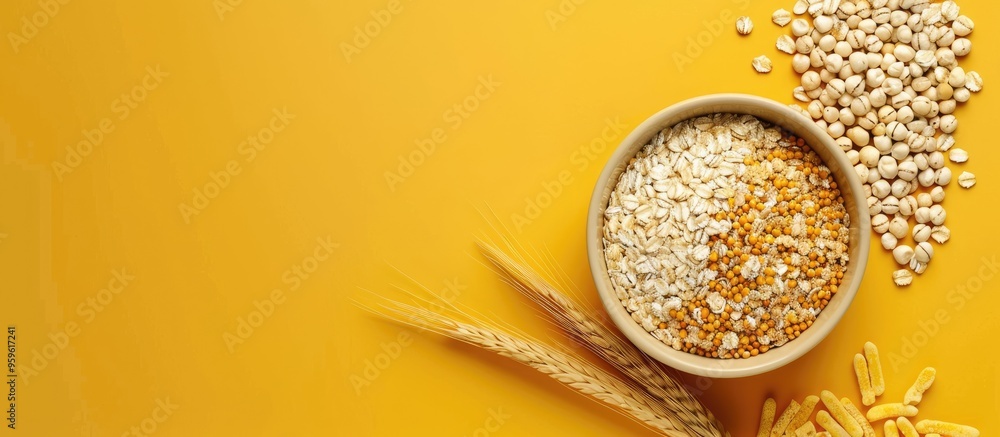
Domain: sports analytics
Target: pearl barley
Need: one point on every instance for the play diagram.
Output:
(744, 25)
(781, 17)
(966, 179)
(882, 77)
(958, 155)
(785, 44)
(762, 64)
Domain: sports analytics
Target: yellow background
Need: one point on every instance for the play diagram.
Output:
(324, 175)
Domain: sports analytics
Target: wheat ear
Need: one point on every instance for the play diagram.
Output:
(583, 377)
(582, 325)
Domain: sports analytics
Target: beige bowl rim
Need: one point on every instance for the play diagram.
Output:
(842, 171)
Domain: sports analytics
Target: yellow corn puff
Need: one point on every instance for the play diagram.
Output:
(823, 434)
(874, 369)
(807, 430)
(827, 422)
(890, 429)
(948, 429)
(916, 392)
(766, 418)
(886, 411)
(838, 412)
(782, 423)
(858, 416)
(805, 411)
(906, 428)
(864, 381)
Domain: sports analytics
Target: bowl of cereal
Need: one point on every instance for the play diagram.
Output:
(726, 235)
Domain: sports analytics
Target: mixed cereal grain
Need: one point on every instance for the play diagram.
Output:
(725, 236)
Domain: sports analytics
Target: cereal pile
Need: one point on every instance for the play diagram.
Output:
(882, 77)
(725, 237)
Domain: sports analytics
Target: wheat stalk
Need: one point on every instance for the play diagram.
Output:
(583, 377)
(582, 325)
